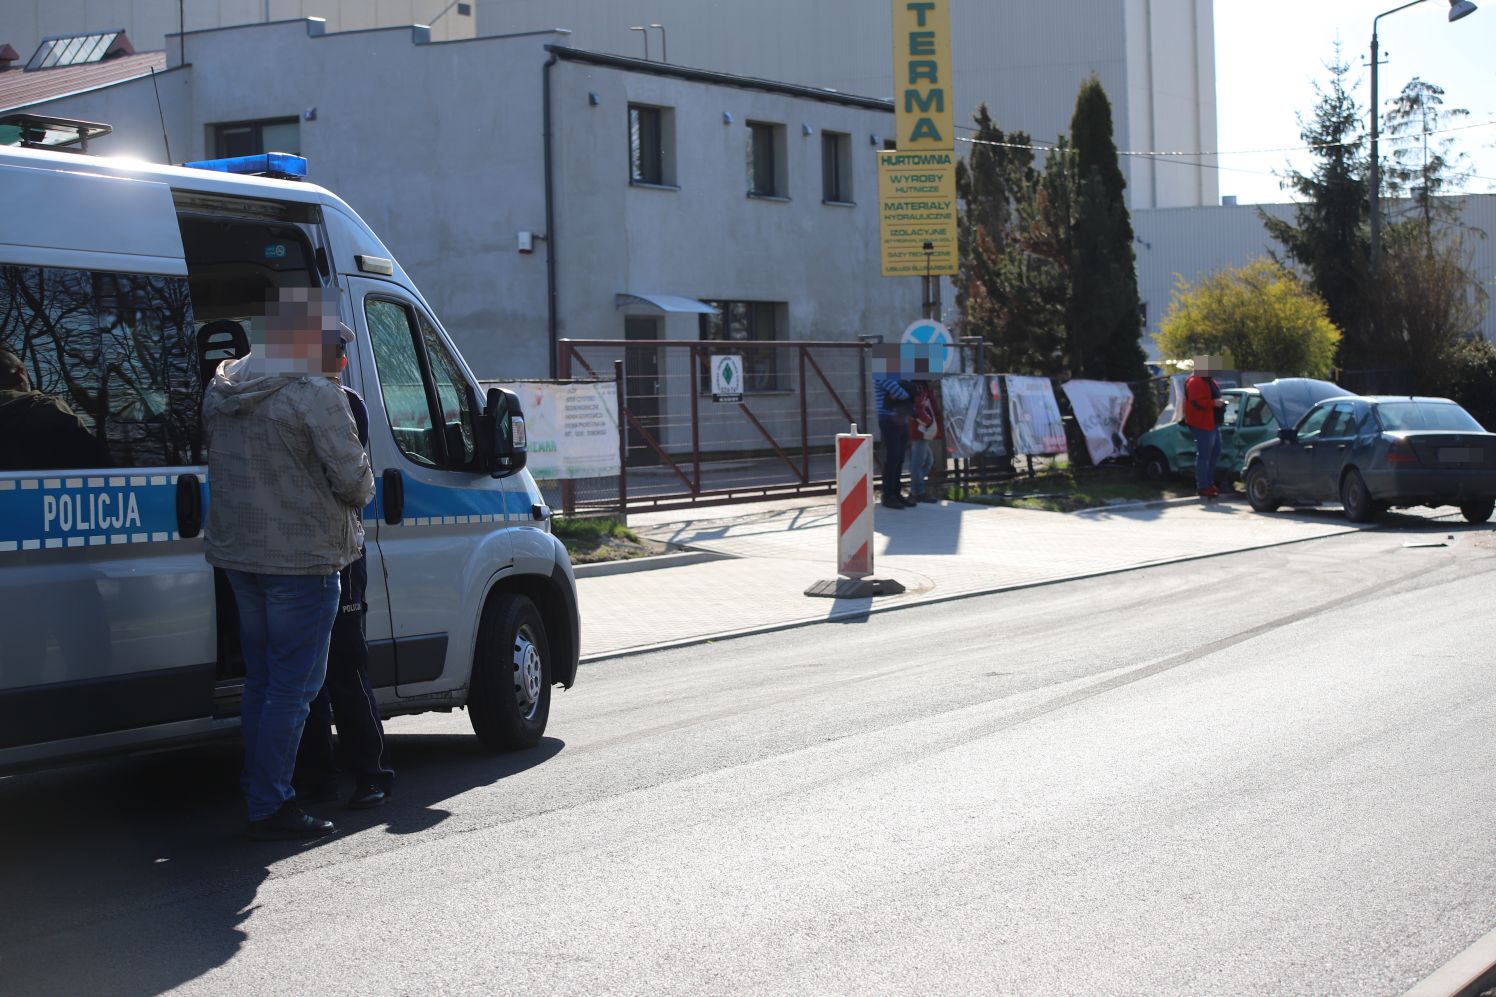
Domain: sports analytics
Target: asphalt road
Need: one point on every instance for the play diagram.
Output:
(1269, 773)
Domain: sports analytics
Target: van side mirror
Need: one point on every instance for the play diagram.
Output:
(1288, 435)
(505, 431)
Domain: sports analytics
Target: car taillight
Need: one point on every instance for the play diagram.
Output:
(1401, 453)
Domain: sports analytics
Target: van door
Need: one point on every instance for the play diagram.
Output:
(106, 603)
(443, 546)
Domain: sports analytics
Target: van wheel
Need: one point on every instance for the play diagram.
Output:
(1260, 489)
(509, 700)
(1153, 465)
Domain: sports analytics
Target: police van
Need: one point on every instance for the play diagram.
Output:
(122, 286)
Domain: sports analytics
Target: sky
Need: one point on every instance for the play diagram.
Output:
(1269, 54)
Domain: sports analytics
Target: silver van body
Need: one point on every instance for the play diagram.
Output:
(122, 285)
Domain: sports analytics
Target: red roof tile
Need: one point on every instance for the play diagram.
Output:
(19, 88)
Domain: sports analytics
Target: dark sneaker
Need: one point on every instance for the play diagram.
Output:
(891, 504)
(929, 499)
(288, 823)
(367, 796)
(909, 503)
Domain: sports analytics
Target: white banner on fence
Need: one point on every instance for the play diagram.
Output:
(974, 412)
(1101, 409)
(1034, 416)
(573, 428)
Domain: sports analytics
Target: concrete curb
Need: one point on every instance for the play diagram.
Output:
(860, 612)
(654, 562)
(1466, 975)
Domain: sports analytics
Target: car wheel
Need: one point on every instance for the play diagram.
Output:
(1153, 465)
(1260, 489)
(509, 698)
(1478, 512)
(1354, 495)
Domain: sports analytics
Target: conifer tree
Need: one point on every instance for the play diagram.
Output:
(1328, 237)
(1103, 320)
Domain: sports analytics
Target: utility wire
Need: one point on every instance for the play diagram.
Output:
(1034, 146)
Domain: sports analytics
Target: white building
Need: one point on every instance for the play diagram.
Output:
(501, 172)
(1026, 61)
(1192, 243)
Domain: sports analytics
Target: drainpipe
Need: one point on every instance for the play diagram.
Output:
(550, 215)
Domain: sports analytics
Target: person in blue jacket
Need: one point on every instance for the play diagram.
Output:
(894, 401)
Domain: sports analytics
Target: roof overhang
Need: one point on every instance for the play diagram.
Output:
(665, 304)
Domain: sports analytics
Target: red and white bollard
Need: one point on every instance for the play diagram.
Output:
(854, 504)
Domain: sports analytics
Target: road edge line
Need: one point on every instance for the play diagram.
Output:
(853, 614)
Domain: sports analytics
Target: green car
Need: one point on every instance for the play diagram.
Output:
(1169, 448)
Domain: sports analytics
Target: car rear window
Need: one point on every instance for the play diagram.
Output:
(1396, 416)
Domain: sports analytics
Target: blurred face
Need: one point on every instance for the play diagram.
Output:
(300, 333)
(1209, 364)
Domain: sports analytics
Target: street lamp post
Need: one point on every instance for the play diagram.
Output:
(1457, 10)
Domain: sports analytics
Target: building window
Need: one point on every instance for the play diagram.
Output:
(749, 322)
(836, 167)
(651, 145)
(252, 138)
(766, 163)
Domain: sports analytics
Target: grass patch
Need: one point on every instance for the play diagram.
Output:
(1069, 490)
(600, 539)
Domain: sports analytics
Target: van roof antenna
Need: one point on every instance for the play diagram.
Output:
(162, 114)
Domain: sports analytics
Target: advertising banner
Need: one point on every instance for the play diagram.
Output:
(1101, 409)
(974, 415)
(923, 111)
(917, 204)
(572, 428)
(1034, 416)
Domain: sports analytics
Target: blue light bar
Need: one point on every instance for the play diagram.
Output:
(281, 165)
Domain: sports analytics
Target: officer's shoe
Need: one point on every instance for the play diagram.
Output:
(287, 823)
(367, 796)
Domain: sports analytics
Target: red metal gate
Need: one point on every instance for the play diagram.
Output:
(680, 446)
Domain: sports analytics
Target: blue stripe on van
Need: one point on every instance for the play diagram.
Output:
(49, 511)
(439, 505)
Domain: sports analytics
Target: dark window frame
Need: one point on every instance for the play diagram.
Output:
(760, 376)
(256, 129)
(647, 159)
(766, 153)
(836, 168)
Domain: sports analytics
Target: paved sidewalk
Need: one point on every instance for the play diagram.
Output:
(776, 549)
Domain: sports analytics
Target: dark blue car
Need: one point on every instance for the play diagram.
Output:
(1372, 453)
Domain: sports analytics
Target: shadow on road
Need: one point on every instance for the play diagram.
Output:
(132, 876)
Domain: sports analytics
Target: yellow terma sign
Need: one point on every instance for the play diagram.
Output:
(922, 75)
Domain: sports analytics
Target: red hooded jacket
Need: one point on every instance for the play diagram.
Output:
(1200, 409)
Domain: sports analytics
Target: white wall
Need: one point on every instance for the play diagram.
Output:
(1026, 61)
(449, 183)
(24, 23)
(1196, 242)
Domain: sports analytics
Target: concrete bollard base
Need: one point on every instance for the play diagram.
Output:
(855, 588)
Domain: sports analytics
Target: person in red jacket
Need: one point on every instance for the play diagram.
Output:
(1203, 409)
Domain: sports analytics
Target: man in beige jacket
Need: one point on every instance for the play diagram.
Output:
(287, 481)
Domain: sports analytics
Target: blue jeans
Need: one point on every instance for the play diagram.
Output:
(285, 624)
(1207, 454)
(895, 433)
(921, 459)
